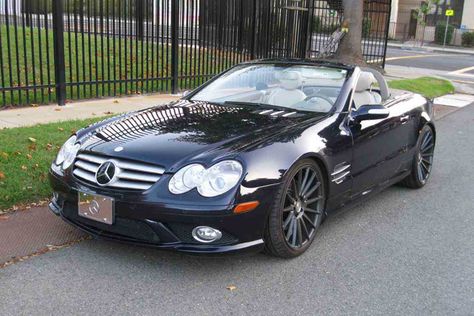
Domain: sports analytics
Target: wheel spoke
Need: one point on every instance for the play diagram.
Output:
(308, 184)
(426, 154)
(300, 235)
(420, 172)
(293, 234)
(310, 210)
(425, 141)
(426, 160)
(426, 168)
(309, 220)
(424, 150)
(315, 199)
(288, 209)
(292, 199)
(295, 188)
(290, 229)
(300, 182)
(303, 183)
(305, 228)
(314, 188)
(287, 221)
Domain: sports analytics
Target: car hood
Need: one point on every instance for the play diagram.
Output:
(189, 131)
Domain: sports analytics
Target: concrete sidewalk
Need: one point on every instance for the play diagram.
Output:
(27, 116)
(431, 48)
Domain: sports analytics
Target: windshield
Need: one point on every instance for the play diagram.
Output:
(296, 87)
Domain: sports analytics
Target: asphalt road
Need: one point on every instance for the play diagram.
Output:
(405, 252)
(429, 60)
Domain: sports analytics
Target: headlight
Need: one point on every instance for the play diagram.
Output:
(67, 153)
(214, 181)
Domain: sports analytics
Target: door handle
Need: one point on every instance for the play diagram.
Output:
(405, 118)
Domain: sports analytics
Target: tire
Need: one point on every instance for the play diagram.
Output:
(297, 211)
(422, 160)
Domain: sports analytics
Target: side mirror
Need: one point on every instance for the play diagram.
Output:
(370, 112)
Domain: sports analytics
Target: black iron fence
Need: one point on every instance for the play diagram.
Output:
(60, 50)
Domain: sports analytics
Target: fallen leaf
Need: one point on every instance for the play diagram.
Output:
(29, 156)
(73, 131)
(24, 168)
(34, 105)
(5, 155)
(231, 287)
(36, 166)
(18, 153)
(108, 113)
(57, 109)
(116, 101)
(31, 139)
(49, 146)
(32, 147)
(60, 129)
(2, 175)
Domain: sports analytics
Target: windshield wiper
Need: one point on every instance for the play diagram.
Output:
(257, 104)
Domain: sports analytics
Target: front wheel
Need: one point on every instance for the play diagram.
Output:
(297, 211)
(422, 161)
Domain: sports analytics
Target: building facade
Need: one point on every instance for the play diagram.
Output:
(404, 26)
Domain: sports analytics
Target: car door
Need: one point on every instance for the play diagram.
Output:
(378, 147)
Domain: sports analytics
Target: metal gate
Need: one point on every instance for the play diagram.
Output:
(60, 50)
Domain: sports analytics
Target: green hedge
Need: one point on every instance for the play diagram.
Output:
(439, 33)
(468, 39)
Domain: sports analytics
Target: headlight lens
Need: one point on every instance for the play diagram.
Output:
(67, 153)
(186, 179)
(214, 181)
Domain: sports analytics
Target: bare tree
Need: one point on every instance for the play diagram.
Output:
(350, 48)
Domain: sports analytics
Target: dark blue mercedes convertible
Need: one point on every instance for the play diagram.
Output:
(253, 159)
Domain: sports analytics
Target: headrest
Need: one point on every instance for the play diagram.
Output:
(290, 80)
(365, 82)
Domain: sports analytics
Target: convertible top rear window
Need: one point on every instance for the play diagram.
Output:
(296, 87)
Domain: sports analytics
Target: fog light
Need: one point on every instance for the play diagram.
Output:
(206, 234)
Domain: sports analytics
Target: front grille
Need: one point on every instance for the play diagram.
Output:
(129, 175)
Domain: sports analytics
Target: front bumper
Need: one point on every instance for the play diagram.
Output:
(151, 223)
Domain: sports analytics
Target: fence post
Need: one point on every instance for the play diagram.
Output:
(58, 43)
(174, 45)
(140, 18)
(253, 30)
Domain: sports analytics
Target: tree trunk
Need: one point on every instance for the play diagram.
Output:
(350, 48)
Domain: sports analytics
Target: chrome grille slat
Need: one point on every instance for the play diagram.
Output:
(84, 175)
(137, 176)
(130, 185)
(96, 159)
(87, 166)
(130, 174)
(138, 167)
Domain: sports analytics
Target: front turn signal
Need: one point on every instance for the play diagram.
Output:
(246, 207)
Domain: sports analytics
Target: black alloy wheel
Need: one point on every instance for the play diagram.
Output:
(423, 160)
(298, 211)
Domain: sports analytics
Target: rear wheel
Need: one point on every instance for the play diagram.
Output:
(297, 211)
(423, 160)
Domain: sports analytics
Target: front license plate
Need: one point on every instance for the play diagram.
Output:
(96, 207)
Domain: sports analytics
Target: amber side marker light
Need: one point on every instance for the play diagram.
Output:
(246, 207)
